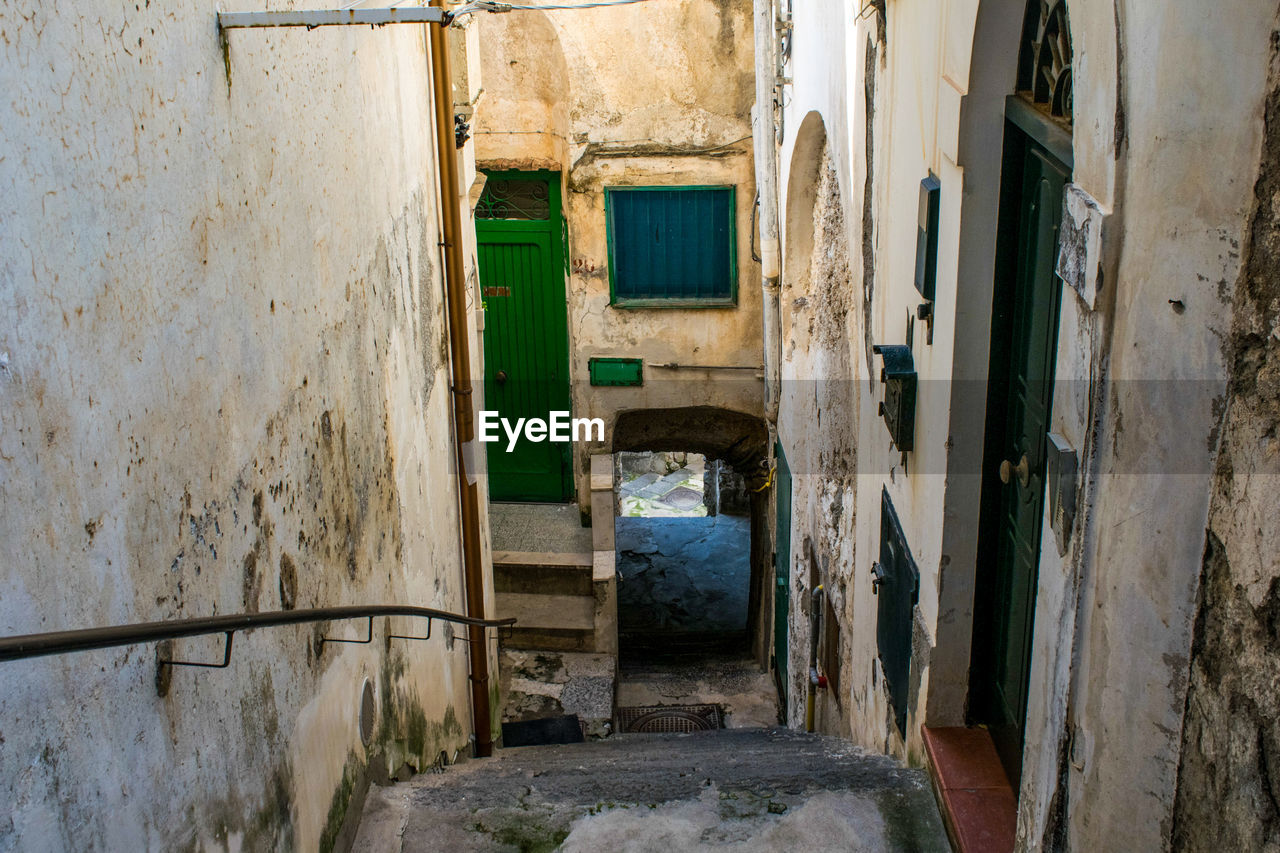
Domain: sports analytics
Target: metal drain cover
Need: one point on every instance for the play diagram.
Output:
(669, 719)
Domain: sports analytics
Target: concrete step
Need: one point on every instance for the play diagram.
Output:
(555, 598)
(739, 789)
(531, 572)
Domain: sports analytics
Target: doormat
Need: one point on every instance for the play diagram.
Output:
(669, 719)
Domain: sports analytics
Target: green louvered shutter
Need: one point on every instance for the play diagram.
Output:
(672, 245)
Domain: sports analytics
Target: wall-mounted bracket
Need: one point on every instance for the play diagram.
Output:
(1062, 464)
(391, 637)
(334, 18)
(368, 639)
(226, 658)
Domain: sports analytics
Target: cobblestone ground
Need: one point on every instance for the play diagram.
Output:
(658, 492)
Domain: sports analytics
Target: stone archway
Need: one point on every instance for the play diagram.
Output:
(737, 438)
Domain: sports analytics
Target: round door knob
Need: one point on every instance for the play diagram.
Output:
(1022, 470)
(500, 377)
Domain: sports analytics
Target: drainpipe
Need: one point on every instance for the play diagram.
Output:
(766, 156)
(460, 367)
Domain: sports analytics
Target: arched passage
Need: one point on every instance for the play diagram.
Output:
(738, 442)
(737, 438)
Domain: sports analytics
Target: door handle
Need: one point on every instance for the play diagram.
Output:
(1022, 469)
(500, 377)
(878, 576)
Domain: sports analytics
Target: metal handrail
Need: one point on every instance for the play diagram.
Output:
(86, 639)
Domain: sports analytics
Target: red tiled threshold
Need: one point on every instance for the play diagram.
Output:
(978, 805)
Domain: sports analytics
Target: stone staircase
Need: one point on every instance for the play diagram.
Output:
(764, 789)
(560, 601)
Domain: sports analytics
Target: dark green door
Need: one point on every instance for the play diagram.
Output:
(1024, 342)
(526, 339)
(782, 574)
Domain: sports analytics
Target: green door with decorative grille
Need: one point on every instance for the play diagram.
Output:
(526, 340)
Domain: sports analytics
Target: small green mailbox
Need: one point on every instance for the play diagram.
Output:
(616, 371)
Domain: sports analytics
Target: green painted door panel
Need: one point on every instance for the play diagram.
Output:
(782, 573)
(525, 348)
(1023, 352)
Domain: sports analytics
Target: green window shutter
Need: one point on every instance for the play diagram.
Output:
(672, 245)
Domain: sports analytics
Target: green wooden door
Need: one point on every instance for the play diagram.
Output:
(782, 574)
(1024, 343)
(526, 339)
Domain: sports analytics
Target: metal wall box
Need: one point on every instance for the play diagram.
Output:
(896, 583)
(1062, 464)
(616, 371)
(927, 237)
(899, 407)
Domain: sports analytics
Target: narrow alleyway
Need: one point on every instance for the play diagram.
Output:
(738, 790)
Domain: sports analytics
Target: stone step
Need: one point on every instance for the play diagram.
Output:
(742, 789)
(564, 612)
(538, 573)
(556, 599)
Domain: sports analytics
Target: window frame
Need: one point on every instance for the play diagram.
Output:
(730, 301)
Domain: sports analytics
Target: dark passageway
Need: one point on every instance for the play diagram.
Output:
(684, 557)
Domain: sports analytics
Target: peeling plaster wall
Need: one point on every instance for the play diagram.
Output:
(634, 96)
(818, 420)
(1168, 108)
(1229, 778)
(223, 388)
(1174, 240)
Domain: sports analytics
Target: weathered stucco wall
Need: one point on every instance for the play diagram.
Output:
(637, 95)
(1229, 779)
(819, 422)
(1141, 367)
(223, 387)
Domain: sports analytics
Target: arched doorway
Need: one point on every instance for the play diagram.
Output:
(1037, 162)
(692, 556)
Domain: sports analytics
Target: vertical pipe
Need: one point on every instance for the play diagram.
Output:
(460, 366)
(766, 155)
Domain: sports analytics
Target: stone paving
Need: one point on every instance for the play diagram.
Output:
(655, 495)
(683, 574)
(735, 683)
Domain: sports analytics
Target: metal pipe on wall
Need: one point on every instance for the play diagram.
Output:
(461, 388)
(766, 156)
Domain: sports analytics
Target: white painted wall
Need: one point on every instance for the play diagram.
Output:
(1166, 140)
(221, 354)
